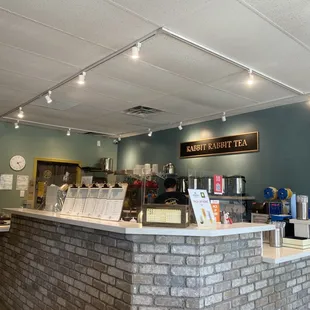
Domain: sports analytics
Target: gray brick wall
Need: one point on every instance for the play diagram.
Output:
(51, 266)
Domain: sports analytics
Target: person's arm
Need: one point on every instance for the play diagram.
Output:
(184, 200)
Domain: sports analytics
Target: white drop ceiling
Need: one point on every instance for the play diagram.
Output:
(44, 42)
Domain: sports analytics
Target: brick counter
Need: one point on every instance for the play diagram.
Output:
(48, 265)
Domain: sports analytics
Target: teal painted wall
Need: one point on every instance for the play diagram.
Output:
(283, 159)
(32, 142)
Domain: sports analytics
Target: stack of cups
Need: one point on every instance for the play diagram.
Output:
(147, 169)
(302, 207)
(155, 168)
(137, 170)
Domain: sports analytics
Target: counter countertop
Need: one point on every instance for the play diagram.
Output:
(137, 229)
(282, 255)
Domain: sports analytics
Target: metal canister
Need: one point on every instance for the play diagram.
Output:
(169, 168)
(106, 164)
(302, 207)
(275, 238)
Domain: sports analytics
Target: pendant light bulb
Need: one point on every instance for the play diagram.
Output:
(81, 79)
(251, 78)
(48, 97)
(180, 126)
(150, 133)
(224, 117)
(16, 125)
(69, 132)
(20, 113)
(135, 51)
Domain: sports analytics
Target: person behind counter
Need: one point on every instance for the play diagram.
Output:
(171, 196)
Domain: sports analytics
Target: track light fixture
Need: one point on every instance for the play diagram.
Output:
(251, 78)
(119, 138)
(16, 125)
(81, 79)
(180, 126)
(48, 97)
(20, 113)
(69, 132)
(150, 133)
(135, 51)
(224, 117)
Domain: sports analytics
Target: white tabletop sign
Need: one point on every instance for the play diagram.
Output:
(202, 207)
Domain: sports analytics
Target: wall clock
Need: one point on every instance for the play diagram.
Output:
(17, 163)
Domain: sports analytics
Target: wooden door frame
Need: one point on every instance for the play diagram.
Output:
(57, 161)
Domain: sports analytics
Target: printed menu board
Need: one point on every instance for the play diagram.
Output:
(202, 207)
(79, 201)
(91, 201)
(103, 203)
(69, 201)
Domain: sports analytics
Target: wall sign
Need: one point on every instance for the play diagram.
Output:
(242, 143)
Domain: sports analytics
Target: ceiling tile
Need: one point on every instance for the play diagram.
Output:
(55, 105)
(183, 59)
(292, 16)
(90, 111)
(6, 106)
(166, 118)
(261, 90)
(143, 74)
(239, 36)
(119, 89)
(57, 117)
(23, 82)
(96, 21)
(211, 97)
(85, 95)
(182, 107)
(13, 94)
(161, 11)
(33, 65)
(28, 35)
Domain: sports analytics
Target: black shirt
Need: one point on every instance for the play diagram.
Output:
(172, 198)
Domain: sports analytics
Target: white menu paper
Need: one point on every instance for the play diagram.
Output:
(113, 210)
(99, 209)
(6, 181)
(22, 182)
(80, 201)
(69, 201)
(91, 202)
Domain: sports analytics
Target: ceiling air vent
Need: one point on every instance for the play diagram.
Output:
(142, 111)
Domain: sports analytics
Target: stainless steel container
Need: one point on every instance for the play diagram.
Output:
(275, 238)
(182, 185)
(106, 164)
(302, 207)
(236, 185)
(169, 169)
(224, 185)
(207, 184)
(282, 227)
